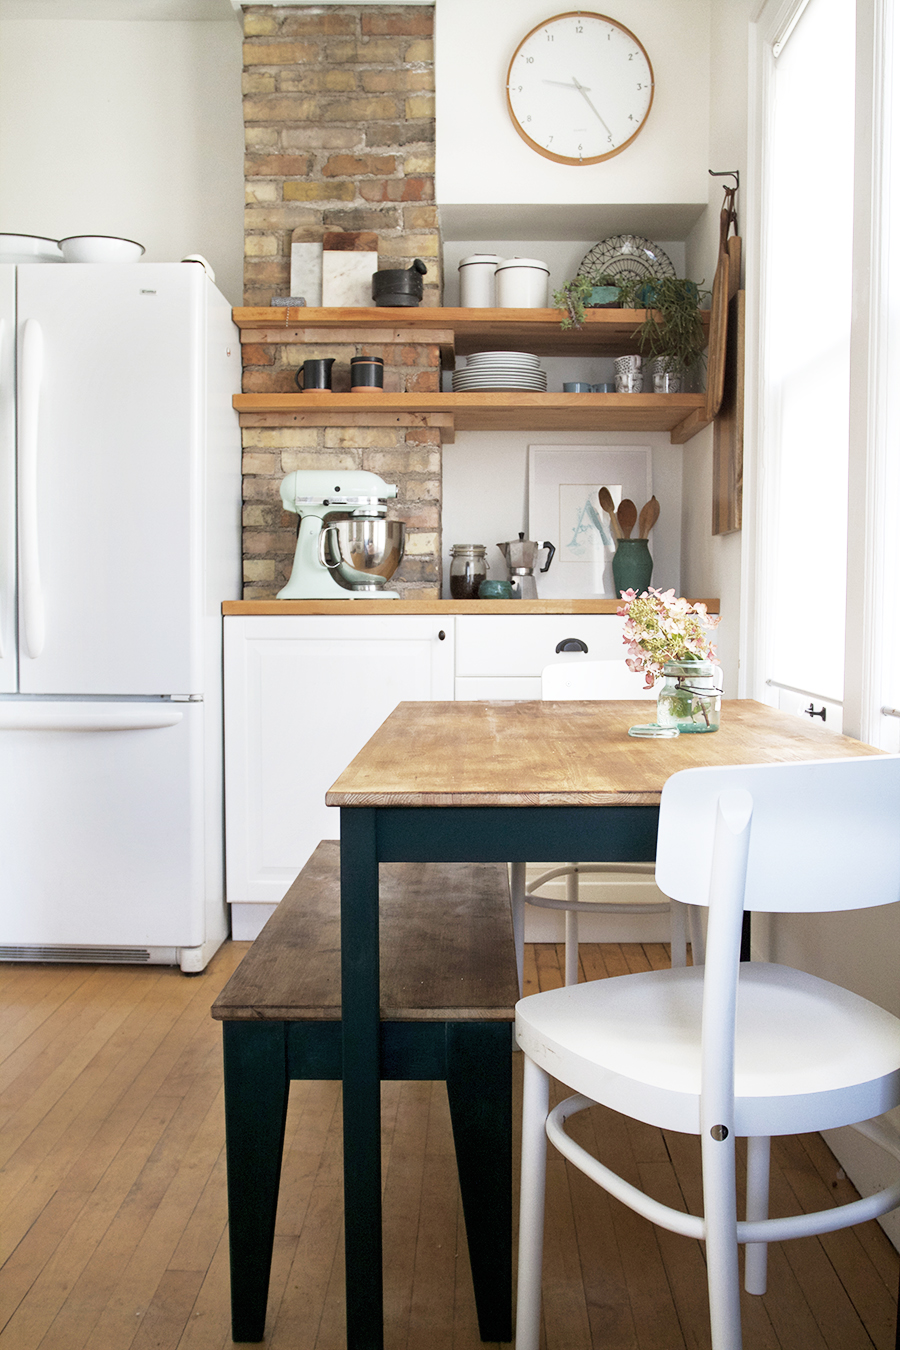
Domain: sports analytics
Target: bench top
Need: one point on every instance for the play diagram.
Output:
(447, 950)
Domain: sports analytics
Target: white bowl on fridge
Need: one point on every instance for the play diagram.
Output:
(99, 248)
(29, 248)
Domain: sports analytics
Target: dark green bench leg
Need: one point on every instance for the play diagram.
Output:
(256, 1096)
(361, 1039)
(479, 1086)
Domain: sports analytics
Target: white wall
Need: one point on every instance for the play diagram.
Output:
(711, 564)
(482, 159)
(126, 128)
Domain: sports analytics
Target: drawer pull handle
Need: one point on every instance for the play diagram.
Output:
(572, 645)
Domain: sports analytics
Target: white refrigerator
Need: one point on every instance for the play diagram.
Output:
(120, 494)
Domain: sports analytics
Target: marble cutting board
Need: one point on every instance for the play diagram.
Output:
(306, 265)
(349, 260)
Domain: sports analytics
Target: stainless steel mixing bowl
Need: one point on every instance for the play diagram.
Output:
(370, 549)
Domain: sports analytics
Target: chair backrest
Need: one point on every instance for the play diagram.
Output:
(824, 835)
(592, 679)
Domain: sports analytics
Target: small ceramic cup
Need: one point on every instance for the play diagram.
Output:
(624, 363)
(577, 387)
(315, 374)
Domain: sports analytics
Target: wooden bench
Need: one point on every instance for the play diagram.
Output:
(448, 990)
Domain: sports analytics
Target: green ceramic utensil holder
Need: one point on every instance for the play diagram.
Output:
(632, 565)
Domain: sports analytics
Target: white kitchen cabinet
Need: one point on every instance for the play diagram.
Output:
(502, 656)
(303, 694)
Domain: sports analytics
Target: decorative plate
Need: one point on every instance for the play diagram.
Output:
(629, 256)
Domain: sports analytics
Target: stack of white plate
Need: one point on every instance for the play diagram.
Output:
(485, 371)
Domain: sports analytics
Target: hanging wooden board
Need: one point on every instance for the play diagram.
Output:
(728, 435)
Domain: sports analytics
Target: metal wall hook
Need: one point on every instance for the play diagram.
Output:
(730, 194)
(727, 173)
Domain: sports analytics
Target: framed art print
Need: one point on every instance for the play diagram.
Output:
(564, 482)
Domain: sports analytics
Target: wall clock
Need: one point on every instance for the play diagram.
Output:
(579, 88)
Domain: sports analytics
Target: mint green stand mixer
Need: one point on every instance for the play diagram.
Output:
(346, 548)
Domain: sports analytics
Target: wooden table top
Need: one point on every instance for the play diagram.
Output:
(560, 753)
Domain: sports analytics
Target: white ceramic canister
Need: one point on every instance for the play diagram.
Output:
(476, 280)
(522, 283)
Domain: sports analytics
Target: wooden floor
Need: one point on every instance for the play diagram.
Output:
(112, 1196)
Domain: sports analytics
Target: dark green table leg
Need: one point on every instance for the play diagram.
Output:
(256, 1096)
(361, 1069)
(479, 1086)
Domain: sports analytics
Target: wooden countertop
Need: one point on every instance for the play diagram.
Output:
(430, 605)
(559, 754)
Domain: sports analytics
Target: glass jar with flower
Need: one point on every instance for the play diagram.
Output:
(668, 639)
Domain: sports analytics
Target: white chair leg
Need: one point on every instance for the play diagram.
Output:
(720, 1210)
(571, 946)
(678, 938)
(698, 937)
(756, 1253)
(517, 899)
(535, 1107)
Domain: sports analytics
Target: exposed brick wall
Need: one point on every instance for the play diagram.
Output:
(407, 456)
(339, 132)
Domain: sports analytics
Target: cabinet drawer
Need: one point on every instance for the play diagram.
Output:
(521, 645)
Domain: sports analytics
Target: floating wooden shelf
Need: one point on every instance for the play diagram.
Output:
(478, 412)
(606, 332)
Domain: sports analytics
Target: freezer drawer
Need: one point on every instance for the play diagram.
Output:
(101, 825)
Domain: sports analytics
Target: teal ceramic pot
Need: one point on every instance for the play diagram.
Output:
(632, 565)
(603, 297)
(495, 590)
(645, 296)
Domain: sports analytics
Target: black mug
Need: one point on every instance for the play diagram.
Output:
(315, 374)
(366, 372)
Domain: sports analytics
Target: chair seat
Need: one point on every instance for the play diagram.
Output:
(633, 1043)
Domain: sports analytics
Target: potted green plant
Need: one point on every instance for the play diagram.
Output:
(601, 291)
(679, 340)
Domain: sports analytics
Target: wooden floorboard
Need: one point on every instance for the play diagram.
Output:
(113, 1217)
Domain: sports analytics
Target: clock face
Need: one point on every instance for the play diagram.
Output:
(579, 88)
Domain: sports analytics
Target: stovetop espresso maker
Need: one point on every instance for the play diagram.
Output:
(520, 556)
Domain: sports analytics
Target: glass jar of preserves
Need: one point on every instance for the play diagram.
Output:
(468, 569)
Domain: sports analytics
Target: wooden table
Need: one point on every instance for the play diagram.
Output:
(495, 782)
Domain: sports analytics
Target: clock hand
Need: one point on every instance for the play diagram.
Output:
(568, 84)
(582, 89)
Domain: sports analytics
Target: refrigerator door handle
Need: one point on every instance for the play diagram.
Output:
(2, 338)
(29, 556)
(15, 716)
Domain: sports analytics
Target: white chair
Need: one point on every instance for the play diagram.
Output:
(598, 680)
(729, 1049)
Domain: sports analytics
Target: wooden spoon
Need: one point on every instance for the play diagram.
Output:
(627, 516)
(648, 517)
(608, 505)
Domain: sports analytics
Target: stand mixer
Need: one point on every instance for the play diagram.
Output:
(520, 556)
(346, 549)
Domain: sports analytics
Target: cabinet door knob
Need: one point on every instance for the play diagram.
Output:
(572, 645)
(441, 635)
